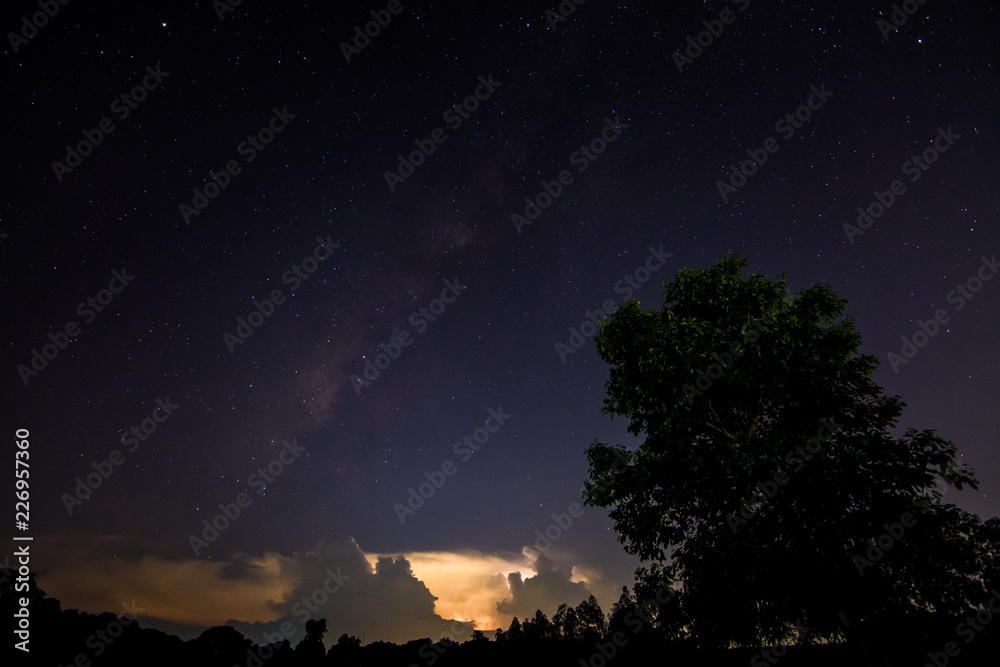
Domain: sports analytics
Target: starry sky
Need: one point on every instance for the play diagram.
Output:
(219, 217)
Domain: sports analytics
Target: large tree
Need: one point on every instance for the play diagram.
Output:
(769, 462)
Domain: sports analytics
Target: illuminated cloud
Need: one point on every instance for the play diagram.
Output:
(546, 590)
(381, 601)
(468, 585)
(384, 597)
(606, 591)
(99, 574)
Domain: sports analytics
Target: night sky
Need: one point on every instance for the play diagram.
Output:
(195, 342)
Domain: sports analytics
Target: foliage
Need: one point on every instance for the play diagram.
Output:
(731, 383)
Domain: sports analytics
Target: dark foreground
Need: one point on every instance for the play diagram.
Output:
(60, 637)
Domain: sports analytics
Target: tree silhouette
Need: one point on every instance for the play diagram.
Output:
(593, 622)
(67, 637)
(768, 463)
(310, 650)
(538, 628)
(634, 620)
(514, 632)
(988, 538)
(223, 645)
(620, 610)
(346, 652)
(566, 622)
(347, 641)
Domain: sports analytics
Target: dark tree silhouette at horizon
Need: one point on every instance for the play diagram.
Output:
(64, 637)
(728, 382)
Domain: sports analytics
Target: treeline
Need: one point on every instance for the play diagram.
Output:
(632, 633)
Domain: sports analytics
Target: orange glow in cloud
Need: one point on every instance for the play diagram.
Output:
(606, 591)
(468, 585)
(96, 575)
(187, 591)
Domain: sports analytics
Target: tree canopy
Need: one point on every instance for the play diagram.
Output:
(770, 487)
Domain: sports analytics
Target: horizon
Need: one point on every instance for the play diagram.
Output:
(304, 290)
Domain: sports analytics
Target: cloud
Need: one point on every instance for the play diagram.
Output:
(546, 590)
(98, 574)
(337, 582)
(606, 591)
(468, 584)
(254, 594)
(376, 596)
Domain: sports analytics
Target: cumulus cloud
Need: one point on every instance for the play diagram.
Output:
(468, 584)
(255, 594)
(384, 597)
(337, 582)
(606, 591)
(99, 573)
(546, 590)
